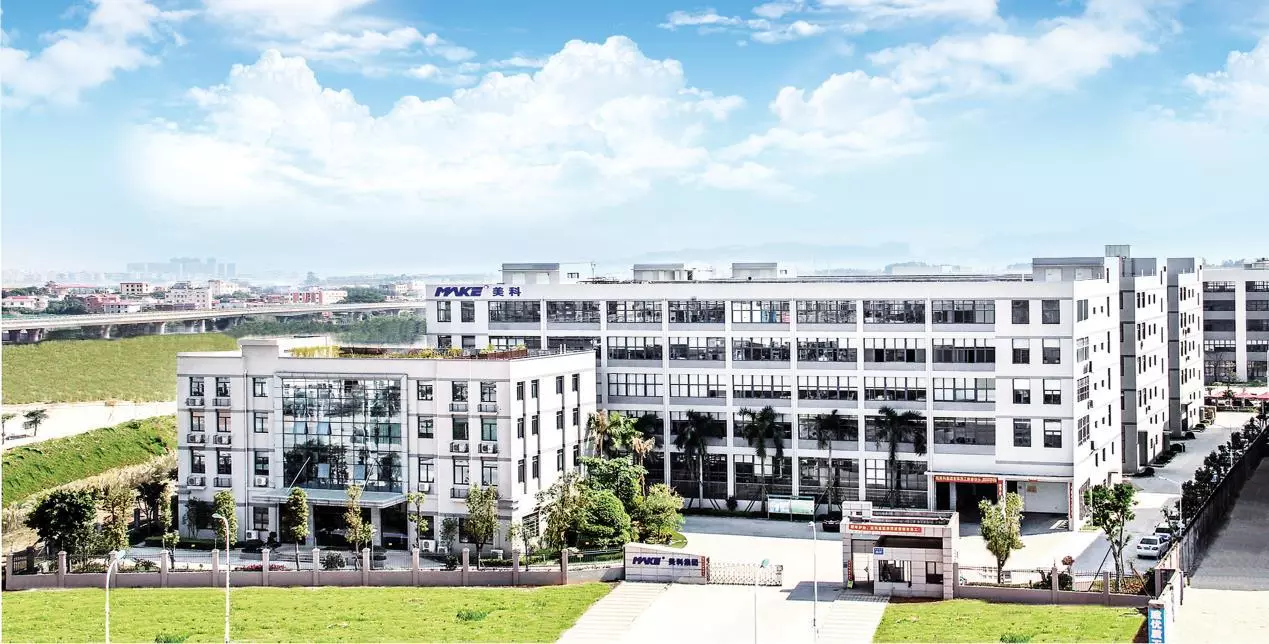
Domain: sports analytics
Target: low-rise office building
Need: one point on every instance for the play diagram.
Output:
(265, 418)
(1017, 377)
(1236, 323)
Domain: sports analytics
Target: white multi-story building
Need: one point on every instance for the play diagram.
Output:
(1236, 323)
(135, 289)
(1018, 377)
(261, 420)
(183, 295)
(1185, 344)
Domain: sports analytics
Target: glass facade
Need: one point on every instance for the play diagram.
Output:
(339, 431)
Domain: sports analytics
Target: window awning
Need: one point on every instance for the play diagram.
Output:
(332, 497)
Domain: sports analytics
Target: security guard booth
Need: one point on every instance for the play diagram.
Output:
(904, 553)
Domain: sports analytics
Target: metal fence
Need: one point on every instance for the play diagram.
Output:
(1026, 577)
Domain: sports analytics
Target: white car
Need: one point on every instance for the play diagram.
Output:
(1151, 546)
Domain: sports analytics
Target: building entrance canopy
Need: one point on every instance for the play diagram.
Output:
(334, 497)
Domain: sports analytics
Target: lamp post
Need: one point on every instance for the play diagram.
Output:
(226, 522)
(115, 557)
(815, 583)
(756, 571)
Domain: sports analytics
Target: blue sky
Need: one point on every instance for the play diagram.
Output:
(399, 135)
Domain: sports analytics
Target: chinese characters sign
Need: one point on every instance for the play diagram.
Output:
(476, 291)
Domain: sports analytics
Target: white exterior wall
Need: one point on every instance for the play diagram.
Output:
(1249, 309)
(201, 298)
(1144, 301)
(266, 359)
(1185, 345)
(1070, 464)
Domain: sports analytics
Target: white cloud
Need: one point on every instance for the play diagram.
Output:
(1065, 51)
(792, 31)
(429, 72)
(115, 39)
(775, 10)
(817, 17)
(706, 18)
(883, 10)
(1238, 95)
(291, 18)
(597, 124)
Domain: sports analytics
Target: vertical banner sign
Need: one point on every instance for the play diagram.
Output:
(1154, 625)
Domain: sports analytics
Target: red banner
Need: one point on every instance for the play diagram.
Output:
(981, 480)
(900, 529)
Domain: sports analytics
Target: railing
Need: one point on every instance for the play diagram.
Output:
(488, 408)
(458, 406)
(220, 402)
(194, 401)
(224, 481)
(458, 492)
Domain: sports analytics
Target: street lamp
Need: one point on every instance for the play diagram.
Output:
(815, 582)
(756, 570)
(226, 522)
(115, 557)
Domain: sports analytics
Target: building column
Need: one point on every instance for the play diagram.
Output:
(376, 521)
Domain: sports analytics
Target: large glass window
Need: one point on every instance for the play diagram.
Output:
(1218, 305)
(760, 387)
(909, 350)
(697, 385)
(196, 386)
(489, 429)
(339, 431)
(1051, 351)
(647, 385)
(488, 391)
(1050, 312)
(198, 462)
(459, 425)
(467, 311)
(1052, 392)
(509, 342)
(760, 312)
(1022, 432)
(808, 428)
(760, 349)
(1219, 326)
(894, 312)
(1052, 433)
(1021, 351)
(222, 387)
(515, 311)
(458, 389)
(697, 312)
(716, 427)
(575, 311)
(971, 390)
(1021, 391)
(1020, 311)
(488, 473)
(427, 469)
(895, 389)
(462, 471)
(826, 350)
(963, 311)
(964, 351)
(708, 349)
(576, 344)
(826, 312)
(634, 312)
(443, 311)
(827, 388)
(624, 348)
(1219, 287)
(964, 431)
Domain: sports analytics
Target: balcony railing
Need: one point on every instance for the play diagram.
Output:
(488, 448)
(196, 480)
(458, 492)
(488, 408)
(196, 438)
(223, 439)
(224, 481)
(194, 401)
(459, 446)
(458, 406)
(220, 402)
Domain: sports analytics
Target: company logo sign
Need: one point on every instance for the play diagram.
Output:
(643, 560)
(476, 291)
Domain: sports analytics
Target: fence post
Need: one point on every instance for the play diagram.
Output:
(414, 567)
(264, 567)
(8, 565)
(317, 564)
(515, 567)
(1053, 585)
(465, 564)
(563, 566)
(164, 569)
(1106, 587)
(365, 566)
(215, 556)
(61, 568)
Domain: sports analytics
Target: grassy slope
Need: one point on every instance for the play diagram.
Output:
(965, 620)
(300, 614)
(34, 468)
(140, 369)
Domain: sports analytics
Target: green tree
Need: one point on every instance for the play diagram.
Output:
(690, 440)
(449, 531)
(117, 502)
(414, 503)
(1110, 509)
(363, 295)
(515, 536)
(605, 523)
(64, 520)
(151, 493)
(617, 475)
(359, 531)
(760, 427)
(482, 516)
(657, 515)
(640, 448)
(895, 427)
(563, 504)
(5, 418)
(33, 419)
(1001, 528)
(294, 519)
(225, 505)
(197, 515)
(828, 428)
(170, 537)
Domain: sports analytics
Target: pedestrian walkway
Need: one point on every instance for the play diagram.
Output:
(853, 617)
(611, 616)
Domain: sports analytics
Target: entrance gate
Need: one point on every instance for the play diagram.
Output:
(744, 574)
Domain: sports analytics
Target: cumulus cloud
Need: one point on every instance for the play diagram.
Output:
(116, 38)
(1238, 95)
(598, 124)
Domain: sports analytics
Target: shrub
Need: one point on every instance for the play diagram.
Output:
(732, 504)
(469, 615)
(333, 561)
(260, 567)
(171, 637)
(605, 522)
(451, 562)
(1015, 637)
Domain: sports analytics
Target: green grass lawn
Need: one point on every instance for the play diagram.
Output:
(300, 614)
(968, 620)
(32, 469)
(139, 369)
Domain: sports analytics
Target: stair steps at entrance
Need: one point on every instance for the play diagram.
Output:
(853, 617)
(612, 615)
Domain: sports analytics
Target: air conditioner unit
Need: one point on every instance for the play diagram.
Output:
(196, 438)
(458, 447)
(251, 534)
(442, 549)
(425, 488)
(224, 439)
(427, 545)
(262, 481)
(486, 448)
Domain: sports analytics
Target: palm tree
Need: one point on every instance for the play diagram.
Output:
(828, 428)
(691, 441)
(598, 428)
(894, 427)
(33, 419)
(641, 448)
(621, 432)
(760, 427)
(648, 425)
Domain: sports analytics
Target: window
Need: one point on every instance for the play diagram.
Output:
(423, 391)
(760, 349)
(1218, 305)
(577, 457)
(489, 429)
(693, 385)
(894, 312)
(222, 422)
(875, 473)
(261, 464)
(520, 471)
(577, 416)
(893, 571)
(1257, 287)
(258, 387)
(198, 462)
(964, 351)
(1021, 351)
(826, 312)
(444, 341)
(573, 311)
(895, 389)
(1051, 351)
(1021, 311)
(1258, 305)
(537, 468)
(1081, 350)
(427, 469)
(760, 312)
(222, 387)
(1081, 310)
(1021, 391)
(710, 349)
(196, 387)
(196, 421)
(908, 350)
(1052, 433)
(808, 429)
(519, 428)
(697, 312)
(826, 350)
(523, 312)
(559, 419)
(972, 390)
(645, 385)
(533, 389)
(443, 312)
(577, 382)
(461, 475)
(224, 462)
(559, 384)
(510, 342)
(634, 312)
(1218, 326)
(534, 424)
(467, 311)
(760, 387)
(827, 388)
(963, 312)
(460, 428)
(1022, 432)
(1257, 326)
(964, 431)
(1081, 430)
(459, 391)
(1218, 287)
(934, 573)
(260, 423)
(1081, 389)
(1050, 312)
(260, 519)
(1052, 392)
(488, 473)
(625, 348)
(559, 460)
(427, 427)
(519, 391)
